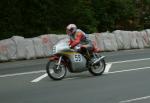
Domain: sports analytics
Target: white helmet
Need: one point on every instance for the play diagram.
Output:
(71, 28)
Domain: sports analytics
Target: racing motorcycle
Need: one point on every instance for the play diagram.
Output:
(63, 59)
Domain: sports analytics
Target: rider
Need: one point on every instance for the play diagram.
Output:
(79, 39)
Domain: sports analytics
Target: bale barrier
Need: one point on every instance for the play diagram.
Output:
(17, 47)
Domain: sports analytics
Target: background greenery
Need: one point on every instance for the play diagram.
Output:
(30, 18)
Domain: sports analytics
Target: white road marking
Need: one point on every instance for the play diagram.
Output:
(108, 66)
(25, 73)
(134, 60)
(40, 78)
(136, 99)
(129, 70)
(114, 72)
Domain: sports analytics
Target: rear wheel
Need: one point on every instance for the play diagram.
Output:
(55, 71)
(98, 68)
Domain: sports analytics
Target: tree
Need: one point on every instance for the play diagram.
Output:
(113, 14)
(30, 18)
(84, 15)
(145, 11)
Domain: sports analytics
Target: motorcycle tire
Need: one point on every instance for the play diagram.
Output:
(98, 69)
(54, 71)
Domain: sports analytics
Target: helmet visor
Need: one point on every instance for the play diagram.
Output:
(69, 31)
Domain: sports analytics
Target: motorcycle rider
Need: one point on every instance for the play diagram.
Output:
(79, 40)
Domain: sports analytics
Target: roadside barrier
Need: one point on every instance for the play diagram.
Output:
(7, 50)
(106, 41)
(24, 47)
(18, 47)
(38, 47)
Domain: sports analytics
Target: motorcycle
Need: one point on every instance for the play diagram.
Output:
(63, 58)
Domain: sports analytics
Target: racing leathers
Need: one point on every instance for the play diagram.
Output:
(80, 39)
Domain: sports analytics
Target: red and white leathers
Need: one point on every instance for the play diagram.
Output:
(80, 38)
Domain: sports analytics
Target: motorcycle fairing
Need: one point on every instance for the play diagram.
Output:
(77, 61)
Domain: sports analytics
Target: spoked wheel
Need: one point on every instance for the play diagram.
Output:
(55, 71)
(98, 68)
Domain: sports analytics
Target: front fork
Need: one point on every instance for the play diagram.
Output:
(97, 59)
(58, 64)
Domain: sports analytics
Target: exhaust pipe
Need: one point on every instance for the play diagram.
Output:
(99, 59)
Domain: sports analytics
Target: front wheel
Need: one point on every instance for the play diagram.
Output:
(55, 71)
(98, 68)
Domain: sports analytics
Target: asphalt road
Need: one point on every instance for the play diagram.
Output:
(126, 80)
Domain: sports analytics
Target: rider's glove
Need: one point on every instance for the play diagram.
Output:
(70, 46)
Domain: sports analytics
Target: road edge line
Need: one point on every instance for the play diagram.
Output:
(39, 78)
(18, 74)
(108, 66)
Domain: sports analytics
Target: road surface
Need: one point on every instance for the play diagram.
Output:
(126, 80)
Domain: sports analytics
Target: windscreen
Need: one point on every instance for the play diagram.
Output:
(61, 45)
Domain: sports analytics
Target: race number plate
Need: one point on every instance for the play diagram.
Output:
(78, 58)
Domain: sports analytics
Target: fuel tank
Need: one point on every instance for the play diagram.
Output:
(77, 61)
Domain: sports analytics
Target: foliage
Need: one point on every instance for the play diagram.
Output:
(113, 14)
(31, 18)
